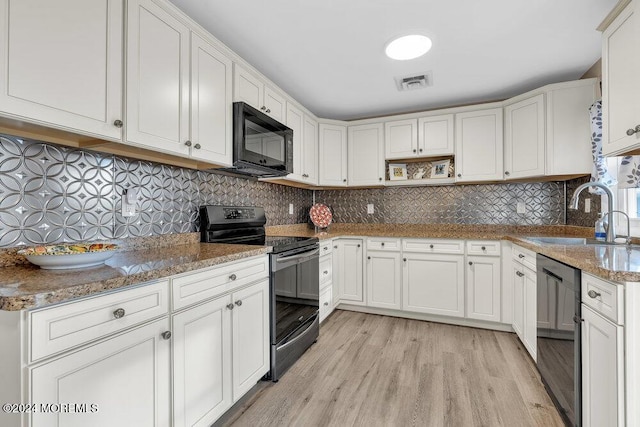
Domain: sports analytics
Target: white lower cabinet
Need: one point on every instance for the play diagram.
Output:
(530, 310)
(384, 279)
(483, 288)
(433, 283)
(347, 270)
(518, 300)
(326, 302)
(603, 378)
(126, 377)
(525, 293)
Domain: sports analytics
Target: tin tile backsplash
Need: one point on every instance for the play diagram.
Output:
(52, 194)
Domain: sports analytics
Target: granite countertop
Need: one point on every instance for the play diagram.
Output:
(26, 286)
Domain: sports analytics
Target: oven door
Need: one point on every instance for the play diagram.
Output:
(294, 290)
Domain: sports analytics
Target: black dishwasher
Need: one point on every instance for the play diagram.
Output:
(558, 336)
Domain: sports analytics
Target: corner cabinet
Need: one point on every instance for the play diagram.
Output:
(365, 154)
(478, 145)
(332, 161)
(620, 85)
(61, 65)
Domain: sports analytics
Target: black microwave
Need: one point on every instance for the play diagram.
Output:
(262, 146)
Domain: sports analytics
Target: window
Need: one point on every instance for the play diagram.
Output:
(626, 200)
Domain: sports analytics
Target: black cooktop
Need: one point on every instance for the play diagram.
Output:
(286, 243)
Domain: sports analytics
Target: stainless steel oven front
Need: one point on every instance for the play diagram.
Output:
(294, 305)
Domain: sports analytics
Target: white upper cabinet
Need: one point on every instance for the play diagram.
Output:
(211, 106)
(620, 83)
(62, 64)
(305, 145)
(332, 160)
(479, 145)
(435, 135)
(157, 78)
(366, 155)
(247, 87)
(524, 138)
(401, 139)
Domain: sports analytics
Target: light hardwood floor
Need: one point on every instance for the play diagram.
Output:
(369, 370)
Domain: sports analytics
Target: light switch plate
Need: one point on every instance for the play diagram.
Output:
(587, 205)
(290, 208)
(370, 209)
(521, 207)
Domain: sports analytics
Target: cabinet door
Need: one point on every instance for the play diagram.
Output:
(524, 139)
(157, 78)
(326, 303)
(350, 270)
(435, 135)
(479, 145)
(401, 139)
(366, 155)
(127, 377)
(384, 280)
(211, 105)
(483, 288)
(336, 276)
(202, 363)
(547, 294)
(332, 155)
(620, 85)
(602, 371)
(247, 88)
(275, 104)
(530, 331)
(433, 283)
(250, 337)
(62, 63)
(518, 300)
(310, 150)
(295, 120)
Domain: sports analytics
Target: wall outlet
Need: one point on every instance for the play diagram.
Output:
(587, 205)
(521, 207)
(128, 209)
(290, 208)
(370, 209)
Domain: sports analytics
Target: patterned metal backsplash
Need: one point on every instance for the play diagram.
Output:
(460, 204)
(51, 194)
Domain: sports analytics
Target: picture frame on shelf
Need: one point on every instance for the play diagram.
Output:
(397, 171)
(440, 169)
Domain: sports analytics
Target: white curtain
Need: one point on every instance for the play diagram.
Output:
(599, 172)
(629, 172)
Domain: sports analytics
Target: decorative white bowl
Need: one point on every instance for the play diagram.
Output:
(67, 256)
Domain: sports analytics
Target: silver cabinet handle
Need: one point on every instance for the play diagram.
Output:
(239, 302)
(197, 146)
(633, 130)
(326, 248)
(166, 335)
(326, 304)
(268, 110)
(118, 123)
(233, 277)
(520, 256)
(594, 294)
(506, 173)
(119, 313)
(263, 108)
(519, 273)
(230, 306)
(187, 143)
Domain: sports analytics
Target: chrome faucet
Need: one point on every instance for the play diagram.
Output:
(628, 238)
(573, 204)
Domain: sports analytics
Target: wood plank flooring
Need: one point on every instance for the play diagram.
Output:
(370, 370)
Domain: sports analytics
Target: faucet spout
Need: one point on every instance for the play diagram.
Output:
(573, 204)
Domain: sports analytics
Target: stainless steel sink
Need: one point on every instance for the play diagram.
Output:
(571, 241)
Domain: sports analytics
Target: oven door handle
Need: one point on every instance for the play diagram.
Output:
(298, 256)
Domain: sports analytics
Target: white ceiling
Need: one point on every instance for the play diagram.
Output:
(329, 54)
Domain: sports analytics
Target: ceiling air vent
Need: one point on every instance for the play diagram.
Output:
(413, 82)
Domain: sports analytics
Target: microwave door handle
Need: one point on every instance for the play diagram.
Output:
(298, 256)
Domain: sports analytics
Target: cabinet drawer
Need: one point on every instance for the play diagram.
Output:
(440, 246)
(524, 256)
(326, 270)
(68, 325)
(604, 297)
(383, 244)
(326, 303)
(326, 247)
(483, 247)
(193, 288)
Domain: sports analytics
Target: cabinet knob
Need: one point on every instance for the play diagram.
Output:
(187, 143)
(326, 304)
(484, 248)
(420, 150)
(577, 319)
(335, 247)
(506, 173)
(358, 244)
(344, 180)
(326, 248)
(519, 273)
(593, 294)
(268, 110)
(197, 146)
(633, 130)
(379, 179)
(404, 259)
(520, 256)
(325, 272)
(382, 244)
(470, 263)
(459, 175)
(166, 335)
(119, 313)
(118, 123)
(233, 277)
(230, 306)
(239, 302)
(368, 257)
(414, 150)
(263, 108)
(431, 246)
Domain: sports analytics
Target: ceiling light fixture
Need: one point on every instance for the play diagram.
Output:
(408, 47)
